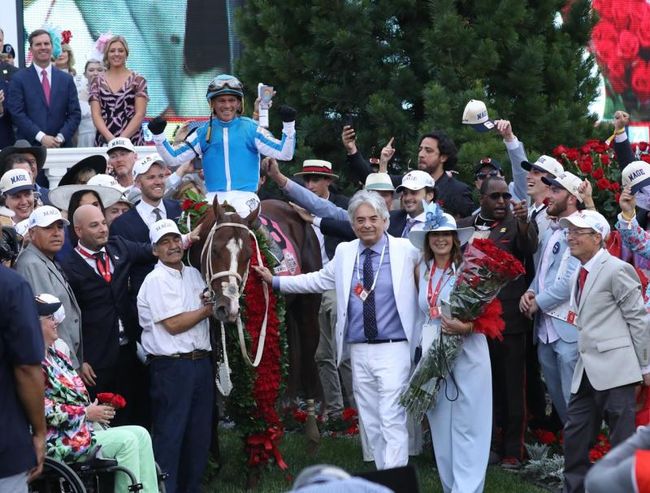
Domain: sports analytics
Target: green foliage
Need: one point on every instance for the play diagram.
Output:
(403, 67)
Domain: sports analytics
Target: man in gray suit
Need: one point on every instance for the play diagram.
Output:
(547, 297)
(613, 345)
(36, 264)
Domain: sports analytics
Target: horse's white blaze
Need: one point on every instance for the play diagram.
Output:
(230, 289)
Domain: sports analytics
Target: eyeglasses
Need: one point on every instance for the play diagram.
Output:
(498, 195)
(580, 232)
(483, 176)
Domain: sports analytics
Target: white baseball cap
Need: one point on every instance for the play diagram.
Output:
(162, 228)
(379, 182)
(545, 164)
(568, 181)
(142, 165)
(120, 143)
(15, 180)
(416, 180)
(587, 219)
(44, 216)
(104, 180)
(636, 175)
(476, 116)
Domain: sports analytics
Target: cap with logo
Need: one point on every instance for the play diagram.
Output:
(545, 164)
(636, 175)
(44, 216)
(47, 304)
(15, 181)
(316, 167)
(487, 162)
(568, 181)
(379, 182)
(476, 116)
(120, 143)
(416, 180)
(589, 220)
(162, 228)
(141, 166)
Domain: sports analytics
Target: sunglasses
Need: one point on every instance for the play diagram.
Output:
(483, 176)
(498, 195)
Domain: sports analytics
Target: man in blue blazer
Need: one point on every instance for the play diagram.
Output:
(43, 100)
(134, 225)
(548, 297)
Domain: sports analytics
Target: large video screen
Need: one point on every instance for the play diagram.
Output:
(177, 45)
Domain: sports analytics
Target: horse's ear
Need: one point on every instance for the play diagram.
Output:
(252, 217)
(218, 211)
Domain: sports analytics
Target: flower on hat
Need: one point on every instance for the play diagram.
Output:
(434, 217)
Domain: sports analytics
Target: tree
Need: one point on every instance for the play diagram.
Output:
(403, 67)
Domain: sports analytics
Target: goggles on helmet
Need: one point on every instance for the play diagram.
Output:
(225, 85)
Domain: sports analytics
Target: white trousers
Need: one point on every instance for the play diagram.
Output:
(243, 202)
(379, 375)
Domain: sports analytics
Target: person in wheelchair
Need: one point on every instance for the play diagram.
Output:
(77, 428)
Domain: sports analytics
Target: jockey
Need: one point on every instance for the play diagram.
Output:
(230, 145)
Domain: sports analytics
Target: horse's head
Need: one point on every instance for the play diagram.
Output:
(225, 260)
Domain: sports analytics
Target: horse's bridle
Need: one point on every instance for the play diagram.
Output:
(210, 276)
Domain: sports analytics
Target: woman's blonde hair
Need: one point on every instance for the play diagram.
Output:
(115, 39)
(68, 49)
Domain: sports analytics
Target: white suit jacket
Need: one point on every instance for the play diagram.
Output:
(613, 326)
(337, 274)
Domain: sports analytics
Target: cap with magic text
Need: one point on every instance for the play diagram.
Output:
(545, 164)
(636, 175)
(162, 228)
(476, 116)
(141, 166)
(120, 143)
(15, 181)
(416, 180)
(44, 216)
(568, 181)
(589, 220)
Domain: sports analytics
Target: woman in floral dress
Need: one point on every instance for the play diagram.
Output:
(461, 419)
(77, 428)
(118, 97)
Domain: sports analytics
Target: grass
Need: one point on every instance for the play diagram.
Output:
(342, 452)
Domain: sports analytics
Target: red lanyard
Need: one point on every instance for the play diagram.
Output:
(104, 268)
(432, 295)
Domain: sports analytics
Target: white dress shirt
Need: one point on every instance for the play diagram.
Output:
(148, 215)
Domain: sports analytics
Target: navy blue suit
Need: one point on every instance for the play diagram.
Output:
(7, 136)
(31, 114)
(131, 227)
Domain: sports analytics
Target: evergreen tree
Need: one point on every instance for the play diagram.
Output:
(403, 67)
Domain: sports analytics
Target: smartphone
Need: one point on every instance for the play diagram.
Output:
(197, 163)
(348, 120)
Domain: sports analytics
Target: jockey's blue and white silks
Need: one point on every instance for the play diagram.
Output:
(231, 160)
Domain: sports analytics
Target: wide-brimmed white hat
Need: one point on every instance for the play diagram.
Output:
(60, 196)
(437, 220)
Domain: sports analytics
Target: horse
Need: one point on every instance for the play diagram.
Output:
(224, 254)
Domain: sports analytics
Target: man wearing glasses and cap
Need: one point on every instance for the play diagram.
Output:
(230, 145)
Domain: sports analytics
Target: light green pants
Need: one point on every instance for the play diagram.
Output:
(131, 447)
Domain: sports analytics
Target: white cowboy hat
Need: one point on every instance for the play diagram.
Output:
(60, 196)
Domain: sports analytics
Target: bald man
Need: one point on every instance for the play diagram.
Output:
(98, 271)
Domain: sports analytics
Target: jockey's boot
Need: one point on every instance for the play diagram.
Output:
(274, 248)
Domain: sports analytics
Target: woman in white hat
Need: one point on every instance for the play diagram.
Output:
(461, 420)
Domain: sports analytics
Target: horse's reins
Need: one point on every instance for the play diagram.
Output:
(210, 276)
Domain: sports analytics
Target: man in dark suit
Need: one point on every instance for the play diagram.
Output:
(511, 231)
(98, 272)
(43, 100)
(6, 130)
(149, 175)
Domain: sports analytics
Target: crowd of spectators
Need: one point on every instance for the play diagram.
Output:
(99, 300)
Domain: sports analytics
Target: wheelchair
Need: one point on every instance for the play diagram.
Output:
(94, 475)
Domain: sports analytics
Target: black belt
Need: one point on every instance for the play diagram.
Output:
(384, 341)
(193, 355)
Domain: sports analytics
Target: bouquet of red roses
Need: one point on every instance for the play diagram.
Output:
(484, 271)
(116, 401)
(193, 208)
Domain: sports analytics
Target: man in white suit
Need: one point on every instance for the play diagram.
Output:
(613, 344)
(374, 278)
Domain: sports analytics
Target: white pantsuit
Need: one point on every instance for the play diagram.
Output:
(461, 420)
(379, 371)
